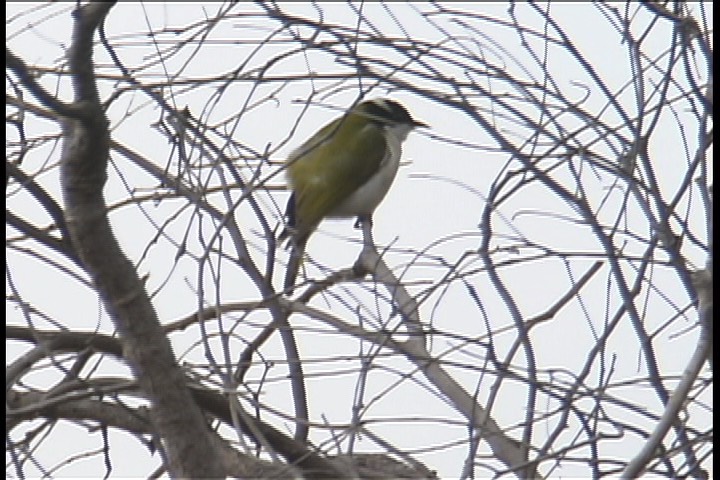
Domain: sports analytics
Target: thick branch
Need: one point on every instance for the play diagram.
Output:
(176, 417)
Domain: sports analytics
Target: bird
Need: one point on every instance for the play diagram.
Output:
(344, 170)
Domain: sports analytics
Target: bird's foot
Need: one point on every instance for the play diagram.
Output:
(362, 219)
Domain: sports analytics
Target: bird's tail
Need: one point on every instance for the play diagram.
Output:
(297, 250)
(296, 243)
(291, 217)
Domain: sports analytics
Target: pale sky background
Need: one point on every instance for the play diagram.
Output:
(425, 204)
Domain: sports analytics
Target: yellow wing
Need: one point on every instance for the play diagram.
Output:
(324, 172)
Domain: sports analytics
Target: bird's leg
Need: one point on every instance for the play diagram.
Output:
(362, 219)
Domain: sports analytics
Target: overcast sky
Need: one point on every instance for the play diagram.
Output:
(438, 196)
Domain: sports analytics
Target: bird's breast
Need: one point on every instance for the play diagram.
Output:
(366, 198)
